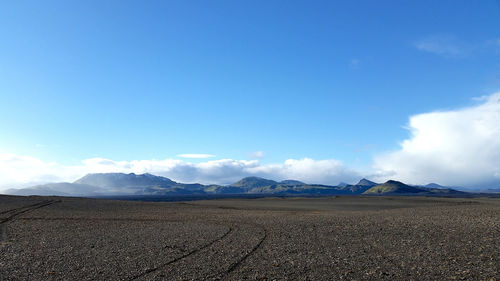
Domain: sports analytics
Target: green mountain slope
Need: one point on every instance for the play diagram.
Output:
(147, 184)
(394, 187)
(251, 182)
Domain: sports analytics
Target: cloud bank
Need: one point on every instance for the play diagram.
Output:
(458, 147)
(21, 171)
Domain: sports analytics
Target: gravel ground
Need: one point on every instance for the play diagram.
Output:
(337, 238)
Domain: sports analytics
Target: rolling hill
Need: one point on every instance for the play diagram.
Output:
(362, 186)
(148, 184)
(396, 187)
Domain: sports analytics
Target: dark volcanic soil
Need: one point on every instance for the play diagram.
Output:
(342, 238)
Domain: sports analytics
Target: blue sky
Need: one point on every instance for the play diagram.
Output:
(143, 80)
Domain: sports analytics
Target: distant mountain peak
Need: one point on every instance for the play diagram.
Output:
(434, 185)
(365, 182)
(392, 186)
(393, 182)
(292, 182)
(251, 182)
(253, 178)
(124, 180)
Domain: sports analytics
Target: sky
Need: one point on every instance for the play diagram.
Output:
(212, 91)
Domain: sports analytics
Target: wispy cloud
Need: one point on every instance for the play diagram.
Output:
(18, 170)
(196, 155)
(443, 45)
(450, 47)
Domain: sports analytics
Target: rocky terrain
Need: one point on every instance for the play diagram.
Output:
(334, 238)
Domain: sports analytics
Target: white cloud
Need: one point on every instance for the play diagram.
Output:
(328, 171)
(196, 155)
(443, 45)
(256, 155)
(16, 171)
(457, 147)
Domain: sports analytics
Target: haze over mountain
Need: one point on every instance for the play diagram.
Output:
(106, 180)
(101, 184)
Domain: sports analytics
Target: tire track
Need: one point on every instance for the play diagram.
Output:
(240, 261)
(232, 267)
(99, 219)
(23, 207)
(28, 208)
(219, 274)
(20, 211)
(183, 256)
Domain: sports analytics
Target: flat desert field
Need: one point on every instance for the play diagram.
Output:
(335, 238)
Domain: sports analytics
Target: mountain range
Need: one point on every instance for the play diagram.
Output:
(101, 184)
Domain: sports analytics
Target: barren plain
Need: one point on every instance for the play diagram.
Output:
(334, 238)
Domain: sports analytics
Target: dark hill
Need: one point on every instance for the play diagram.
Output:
(394, 187)
(292, 182)
(252, 182)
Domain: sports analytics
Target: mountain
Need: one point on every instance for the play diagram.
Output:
(57, 189)
(256, 185)
(251, 182)
(125, 180)
(143, 184)
(365, 182)
(434, 185)
(396, 187)
(283, 189)
(455, 188)
(292, 182)
(114, 184)
(490, 190)
(362, 186)
(147, 184)
(392, 186)
(228, 189)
